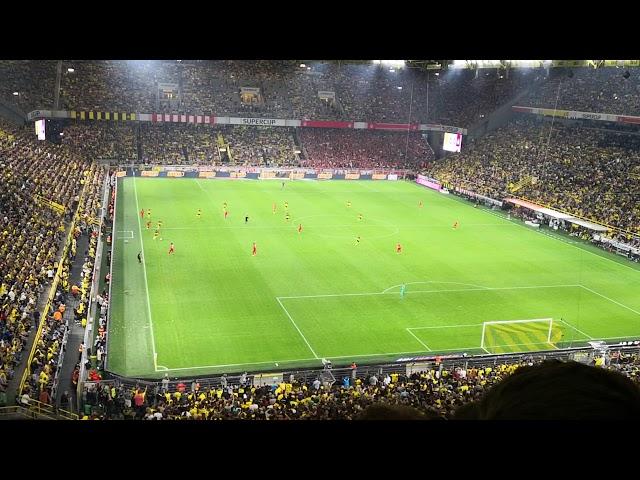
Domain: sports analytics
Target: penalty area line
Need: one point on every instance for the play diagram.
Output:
(416, 337)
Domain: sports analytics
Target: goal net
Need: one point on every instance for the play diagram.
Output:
(510, 336)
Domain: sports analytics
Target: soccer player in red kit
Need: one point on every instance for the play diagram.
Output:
(172, 249)
(300, 228)
(274, 208)
(142, 213)
(226, 212)
(254, 250)
(398, 248)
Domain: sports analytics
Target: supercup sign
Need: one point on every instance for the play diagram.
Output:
(267, 122)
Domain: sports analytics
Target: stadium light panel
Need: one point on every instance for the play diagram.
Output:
(393, 63)
(16, 93)
(399, 88)
(437, 74)
(302, 65)
(70, 70)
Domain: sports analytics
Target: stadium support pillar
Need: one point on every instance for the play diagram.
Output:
(56, 92)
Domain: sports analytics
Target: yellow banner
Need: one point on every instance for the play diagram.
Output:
(325, 176)
(121, 173)
(352, 176)
(267, 174)
(175, 174)
(149, 173)
(379, 176)
(296, 176)
(238, 174)
(554, 113)
(207, 174)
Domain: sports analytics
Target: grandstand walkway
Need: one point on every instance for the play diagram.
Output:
(76, 331)
(14, 383)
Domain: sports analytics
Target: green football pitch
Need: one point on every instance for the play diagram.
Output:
(491, 285)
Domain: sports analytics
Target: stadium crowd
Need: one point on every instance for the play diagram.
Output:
(585, 171)
(602, 90)
(41, 186)
(282, 89)
(438, 392)
(262, 146)
(333, 148)
(28, 84)
(109, 141)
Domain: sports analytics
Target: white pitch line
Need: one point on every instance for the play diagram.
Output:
(617, 338)
(421, 342)
(611, 300)
(483, 289)
(487, 351)
(146, 285)
(448, 326)
(576, 329)
(299, 331)
(433, 281)
(243, 364)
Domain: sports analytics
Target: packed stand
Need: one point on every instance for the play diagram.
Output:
(104, 141)
(363, 92)
(32, 80)
(113, 85)
(438, 392)
(602, 90)
(164, 143)
(46, 360)
(338, 148)
(263, 146)
(31, 232)
(586, 171)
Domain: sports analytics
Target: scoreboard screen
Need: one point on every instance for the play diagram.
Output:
(452, 142)
(40, 129)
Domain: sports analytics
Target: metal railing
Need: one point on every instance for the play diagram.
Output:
(91, 307)
(37, 410)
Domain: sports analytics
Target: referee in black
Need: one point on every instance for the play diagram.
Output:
(139, 257)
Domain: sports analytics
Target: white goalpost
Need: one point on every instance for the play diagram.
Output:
(548, 330)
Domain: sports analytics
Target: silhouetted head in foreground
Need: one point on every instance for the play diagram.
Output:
(556, 390)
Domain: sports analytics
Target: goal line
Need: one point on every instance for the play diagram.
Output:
(544, 331)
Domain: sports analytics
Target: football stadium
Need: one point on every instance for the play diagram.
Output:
(318, 239)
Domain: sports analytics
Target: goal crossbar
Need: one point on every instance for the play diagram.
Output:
(533, 320)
